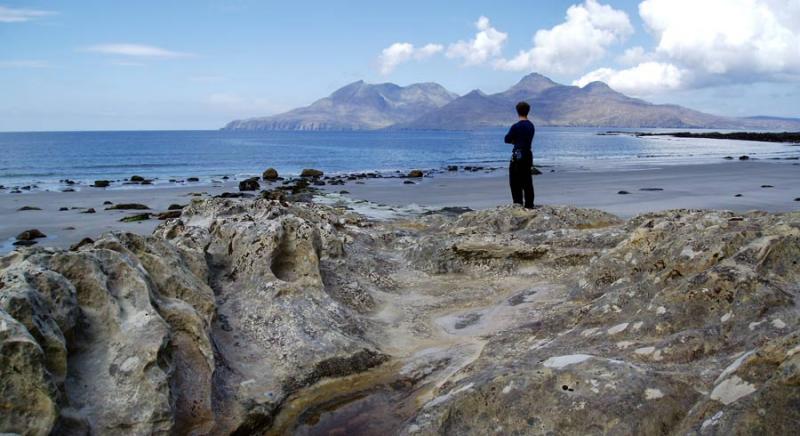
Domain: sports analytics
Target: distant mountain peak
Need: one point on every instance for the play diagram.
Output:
(364, 106)
(530, 85)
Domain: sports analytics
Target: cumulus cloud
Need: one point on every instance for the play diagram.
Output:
(644, 79)
(740, 39)
(13, 15)
(706, 43)
(588, 30)
(401, 52)
(136, 50)
(487, 43)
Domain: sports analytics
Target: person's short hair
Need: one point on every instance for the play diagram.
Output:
(523, 109)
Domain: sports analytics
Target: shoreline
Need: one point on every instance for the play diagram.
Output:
(649, 189)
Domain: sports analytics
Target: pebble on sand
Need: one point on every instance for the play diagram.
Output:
(623, 192)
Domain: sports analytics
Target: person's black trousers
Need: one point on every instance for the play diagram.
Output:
(521, 181)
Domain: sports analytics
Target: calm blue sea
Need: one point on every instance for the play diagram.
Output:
(47, 157)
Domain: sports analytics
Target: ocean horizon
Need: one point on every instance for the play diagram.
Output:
(45, 159)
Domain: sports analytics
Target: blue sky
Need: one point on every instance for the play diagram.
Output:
(97, 65)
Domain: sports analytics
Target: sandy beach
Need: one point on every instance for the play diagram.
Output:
(652, 188)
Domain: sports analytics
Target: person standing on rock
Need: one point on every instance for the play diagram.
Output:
(519, 171)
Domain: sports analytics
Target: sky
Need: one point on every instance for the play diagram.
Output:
(100, 65)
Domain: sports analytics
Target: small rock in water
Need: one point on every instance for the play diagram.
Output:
(744, 157)
(623, 192)
(738, 195)
(408, 182)
(29, 235)
(415, 173)
(89, 210)
(193, 179)
(225, 177)
(728, 158)
(24, 208)
(62, 209)
(101, 183)
(797, 199)
(137, 179)
(452, 168)
(535, 171)
(175, 207)
(106, 203)
(651, 189)
(767, 186)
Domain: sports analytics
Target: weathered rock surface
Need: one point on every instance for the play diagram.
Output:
(261, 316)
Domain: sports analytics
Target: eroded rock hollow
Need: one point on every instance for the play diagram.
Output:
(261, 317)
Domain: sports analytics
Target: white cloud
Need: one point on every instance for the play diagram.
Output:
(136, 50)
(487, 43)
(635, 55)
(401, 52)
(583, 38)
(739, 39)
(644, 79)
(12, 15)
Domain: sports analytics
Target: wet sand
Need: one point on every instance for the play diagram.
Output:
(702, 186)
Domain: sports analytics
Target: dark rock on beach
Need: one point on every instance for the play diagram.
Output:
(81, 243)
(738, 195)
(89, 210)
(270, 174)
(135, 218)
(107, 203)
(452, 168)
(535, 171)
(193, 179)
(176, 206)
(169, 215)
(311, 172)
(408, 182)
(651, 189)
(62, 209)
(744, 157)
(767, 186)
(101, 183)
(415, 174)
(137, 179)
(29, 235)
(24, 243)
(128, 206)
(250, 184)
(24, 208)
(623, 192)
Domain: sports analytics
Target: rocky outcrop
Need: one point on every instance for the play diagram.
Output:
(261, 316)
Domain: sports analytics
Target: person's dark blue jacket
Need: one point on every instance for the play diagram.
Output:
(521, 135)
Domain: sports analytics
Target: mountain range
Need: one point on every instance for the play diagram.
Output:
(429, 106)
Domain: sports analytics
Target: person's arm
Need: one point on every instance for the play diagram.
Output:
(510, 136)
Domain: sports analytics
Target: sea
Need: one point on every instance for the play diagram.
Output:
(44, 159)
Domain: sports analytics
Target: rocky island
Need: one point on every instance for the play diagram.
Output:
(267, 316)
